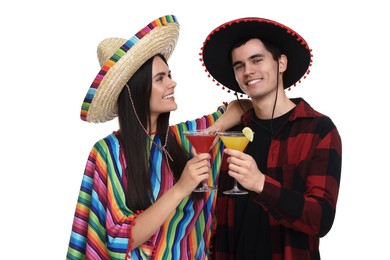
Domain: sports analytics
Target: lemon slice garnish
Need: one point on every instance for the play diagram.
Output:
(248, 133)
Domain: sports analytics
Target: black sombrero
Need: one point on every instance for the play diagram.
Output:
(217, 46)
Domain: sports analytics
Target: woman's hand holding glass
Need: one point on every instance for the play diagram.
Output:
(196, 170)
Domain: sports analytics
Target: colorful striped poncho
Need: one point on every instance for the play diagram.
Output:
(102, 222)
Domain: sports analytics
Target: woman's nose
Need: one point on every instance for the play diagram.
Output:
(172, 84)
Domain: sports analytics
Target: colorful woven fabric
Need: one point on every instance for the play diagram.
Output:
(102, 222)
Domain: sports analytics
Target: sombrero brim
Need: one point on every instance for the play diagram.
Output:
(217, 46)
(159, 36)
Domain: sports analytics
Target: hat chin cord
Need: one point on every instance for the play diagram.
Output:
(161, 148)
(276, 99)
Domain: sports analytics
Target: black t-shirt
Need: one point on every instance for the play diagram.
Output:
(252, 221)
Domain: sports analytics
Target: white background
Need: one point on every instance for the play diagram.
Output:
(48, 61)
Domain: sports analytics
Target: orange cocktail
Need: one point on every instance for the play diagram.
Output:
(236, 141)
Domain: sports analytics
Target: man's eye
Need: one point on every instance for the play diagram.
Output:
(237, 67)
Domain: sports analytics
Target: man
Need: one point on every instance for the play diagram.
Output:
(292, 168)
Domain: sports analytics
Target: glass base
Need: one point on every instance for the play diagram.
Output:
(205, 188)
(235, 191)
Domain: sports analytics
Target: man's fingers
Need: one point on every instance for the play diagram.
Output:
(235, 153)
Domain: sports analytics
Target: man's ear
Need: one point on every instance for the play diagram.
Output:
(282, 63)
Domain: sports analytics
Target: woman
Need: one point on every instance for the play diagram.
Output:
(136, 199)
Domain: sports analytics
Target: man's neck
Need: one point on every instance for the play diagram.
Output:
(264, 106)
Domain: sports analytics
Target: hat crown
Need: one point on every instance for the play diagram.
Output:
(107, 48)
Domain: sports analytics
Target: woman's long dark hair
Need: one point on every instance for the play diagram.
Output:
(134, 140)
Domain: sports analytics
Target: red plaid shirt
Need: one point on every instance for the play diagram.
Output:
(300, 190)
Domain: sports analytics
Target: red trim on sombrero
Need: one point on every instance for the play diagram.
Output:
(117, 55)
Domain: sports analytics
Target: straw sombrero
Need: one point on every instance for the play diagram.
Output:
(217, 46)
(120, 59)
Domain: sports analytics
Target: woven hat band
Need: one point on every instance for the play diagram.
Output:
(107, 48)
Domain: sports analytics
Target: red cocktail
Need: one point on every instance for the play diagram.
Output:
(202, 141)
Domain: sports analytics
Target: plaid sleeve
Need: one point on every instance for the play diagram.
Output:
(301, 187)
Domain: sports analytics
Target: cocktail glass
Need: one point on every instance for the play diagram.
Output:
(202, 141)
(237, 141)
